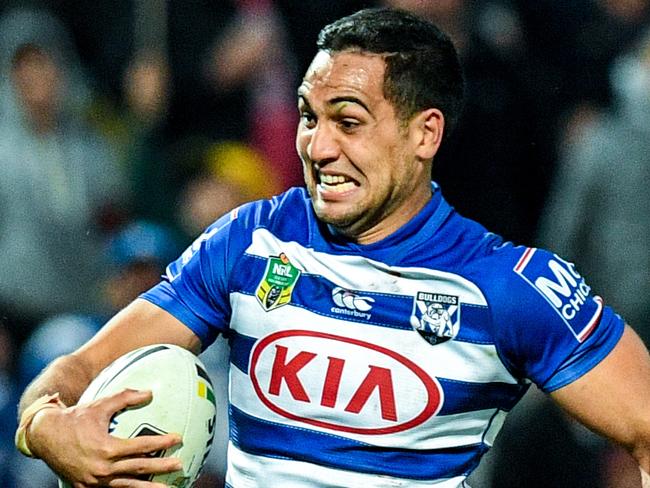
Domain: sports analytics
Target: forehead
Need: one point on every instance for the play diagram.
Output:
(344, 73)
(31, 55)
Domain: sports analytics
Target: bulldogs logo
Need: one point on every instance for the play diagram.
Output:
(436, 317)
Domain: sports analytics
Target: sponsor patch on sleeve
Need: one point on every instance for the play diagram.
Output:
(558, 282)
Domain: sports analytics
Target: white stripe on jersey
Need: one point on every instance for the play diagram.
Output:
(438, 432)
(461, 361)
(363, 274)
(248, 471)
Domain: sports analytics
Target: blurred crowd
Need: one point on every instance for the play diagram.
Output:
(128, 126)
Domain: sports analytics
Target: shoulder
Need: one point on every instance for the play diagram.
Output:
(293, 203)
(506, 273)
(548, 326)
(288, 216)
(285, 215)
(530, 285)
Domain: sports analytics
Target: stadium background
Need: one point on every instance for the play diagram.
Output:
(127, 126)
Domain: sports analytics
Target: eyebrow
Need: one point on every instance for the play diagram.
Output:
(334, 101)
(337, 100)
(303, 98)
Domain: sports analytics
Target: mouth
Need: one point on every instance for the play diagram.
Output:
(336, 183)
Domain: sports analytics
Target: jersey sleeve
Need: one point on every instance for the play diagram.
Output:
(550, 328)
(194, 288)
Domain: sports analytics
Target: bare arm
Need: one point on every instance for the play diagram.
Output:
(75, 441)
(613, 399)
(139, 324)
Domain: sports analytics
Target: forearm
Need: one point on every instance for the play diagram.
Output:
(68, 375)
(613, 398)
(75, 441)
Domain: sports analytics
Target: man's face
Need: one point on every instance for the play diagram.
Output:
(37, 81)
(359, 159)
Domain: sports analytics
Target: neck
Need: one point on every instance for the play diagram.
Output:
(389, 220)
(41, 120)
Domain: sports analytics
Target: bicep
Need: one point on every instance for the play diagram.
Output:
(614, 397)
(139, 324)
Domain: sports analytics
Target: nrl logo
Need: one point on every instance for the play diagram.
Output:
(435, 316)
(276, 287)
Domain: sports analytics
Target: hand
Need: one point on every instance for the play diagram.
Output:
(76, 445)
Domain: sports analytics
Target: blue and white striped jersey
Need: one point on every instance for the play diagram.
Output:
(381, 365)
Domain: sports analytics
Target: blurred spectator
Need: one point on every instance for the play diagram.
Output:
(138, 253)
(597, 215)
(571, 46)
(598, 210)
(59, 181)
(136, 125)
(143, 103)
(146, 85)
(197, 109)
(8, 399)
(231, 173)
(252, 52)
(55, 336)
(488, 169)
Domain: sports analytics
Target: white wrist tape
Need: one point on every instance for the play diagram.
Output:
(46, 401)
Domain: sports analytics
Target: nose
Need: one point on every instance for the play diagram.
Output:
(323, 146)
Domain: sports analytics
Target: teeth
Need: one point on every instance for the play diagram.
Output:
(332, 179)
(338, 188)
(336, 183)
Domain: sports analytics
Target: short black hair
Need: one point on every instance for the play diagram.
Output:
(422, 66)
(26, 51)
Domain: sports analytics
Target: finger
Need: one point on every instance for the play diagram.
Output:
(131, 483)
(145, 444)
(142, 466)
(125, 399)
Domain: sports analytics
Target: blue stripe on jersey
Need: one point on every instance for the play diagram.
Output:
(474, 320)
(389, 310)
(460, 396)
(264, 438)
(240, 350)
(463, 396)
(315, 294)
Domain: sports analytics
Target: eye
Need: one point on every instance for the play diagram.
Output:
(348, 124)
(308, 119)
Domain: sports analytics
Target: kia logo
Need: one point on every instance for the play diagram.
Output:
(341, 383)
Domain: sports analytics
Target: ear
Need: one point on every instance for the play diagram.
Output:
(429, 126)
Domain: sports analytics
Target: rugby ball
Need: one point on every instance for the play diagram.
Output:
(183, 402)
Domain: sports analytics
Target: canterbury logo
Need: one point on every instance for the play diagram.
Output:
(351, 300)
